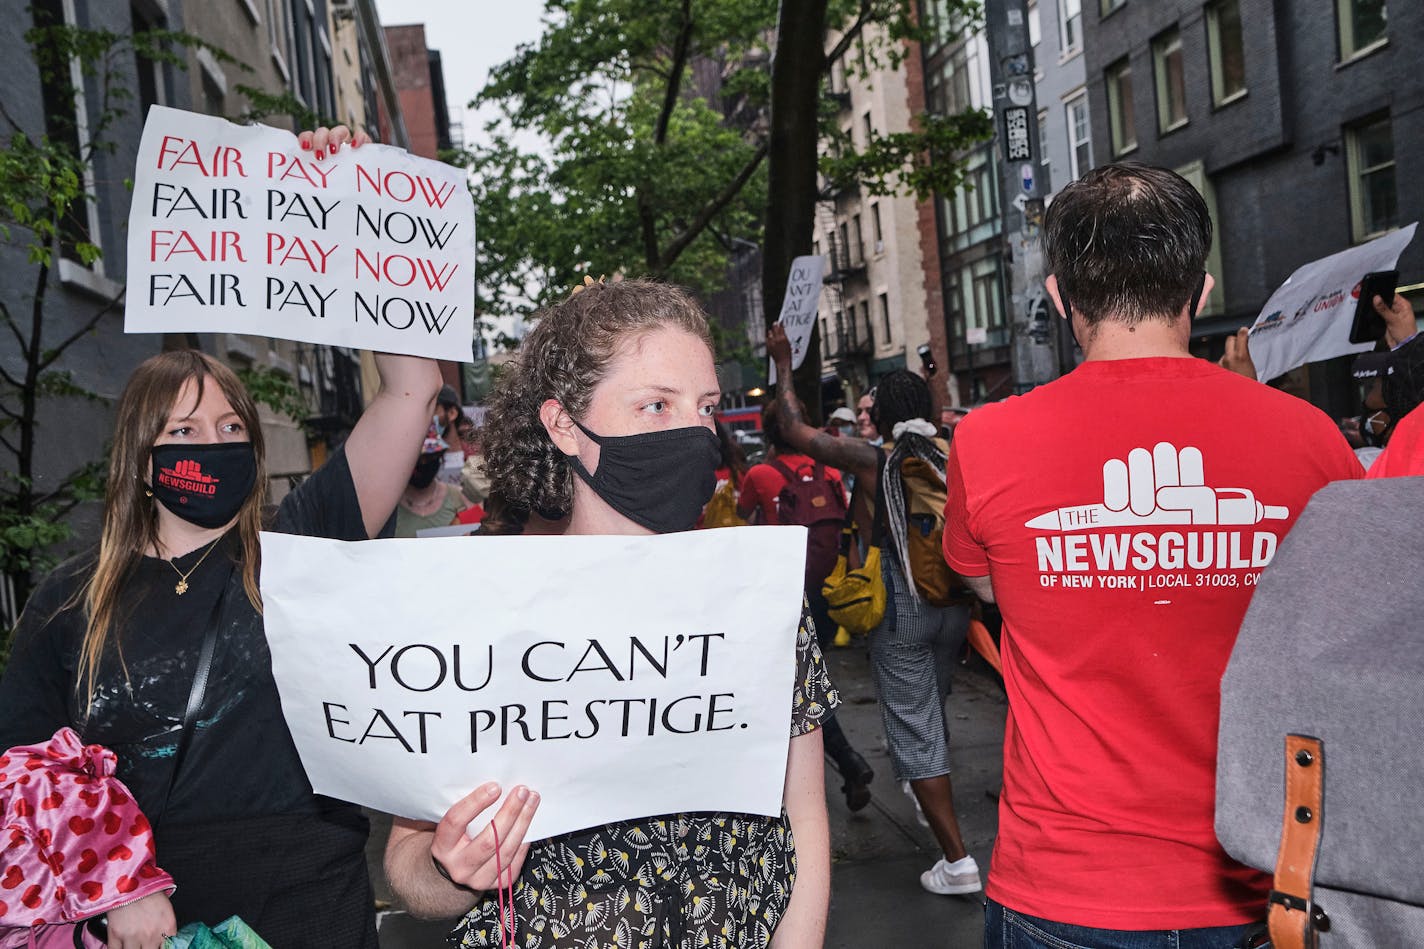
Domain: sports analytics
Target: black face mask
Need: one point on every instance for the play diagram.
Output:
(205, 485)
(426, 468)
(661, 480)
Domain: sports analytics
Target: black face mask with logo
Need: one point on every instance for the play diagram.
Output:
(205, 485)
(660, 480)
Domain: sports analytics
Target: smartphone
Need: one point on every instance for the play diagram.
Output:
(928, 361)
(1369, 326)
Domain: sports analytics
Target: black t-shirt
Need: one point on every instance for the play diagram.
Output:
(242, 833)
(240, 761)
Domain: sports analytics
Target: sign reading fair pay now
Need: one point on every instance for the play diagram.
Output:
(236, 229)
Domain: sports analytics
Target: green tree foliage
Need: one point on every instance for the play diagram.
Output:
(633, 139)
(41, 191)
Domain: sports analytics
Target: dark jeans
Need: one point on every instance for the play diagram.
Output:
(1006, 929)
(838, 747)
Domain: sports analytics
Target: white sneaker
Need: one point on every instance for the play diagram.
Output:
(952, 879)
(919, 812)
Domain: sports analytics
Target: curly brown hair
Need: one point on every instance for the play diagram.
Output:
(564, 358)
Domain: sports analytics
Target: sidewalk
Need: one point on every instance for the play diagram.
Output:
(877, 854)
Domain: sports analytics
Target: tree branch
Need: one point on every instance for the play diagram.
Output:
(710, 210)
(14, 329)
(648, 226)
(9, 445)
(849, 36)
(679, 65)
(73, 337)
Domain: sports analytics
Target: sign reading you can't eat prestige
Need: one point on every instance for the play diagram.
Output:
(236, 229)
(620, 677)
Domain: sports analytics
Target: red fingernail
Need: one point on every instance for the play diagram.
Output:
(306, 146)
(320, 154)
(334, 147)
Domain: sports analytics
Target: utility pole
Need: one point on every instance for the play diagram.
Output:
(1023, 183)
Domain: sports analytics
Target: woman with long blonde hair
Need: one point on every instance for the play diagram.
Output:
(152, 645)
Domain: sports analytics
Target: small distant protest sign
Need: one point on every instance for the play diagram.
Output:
(236, 229)
(620, 677)
(798, 309)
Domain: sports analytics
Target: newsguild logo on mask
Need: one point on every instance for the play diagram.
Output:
(188, 476)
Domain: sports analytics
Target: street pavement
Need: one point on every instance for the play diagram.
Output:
(878, 853)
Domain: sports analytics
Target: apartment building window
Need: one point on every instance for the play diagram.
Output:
(67, 124)
(865, 321)
(1070, 26)
(1228, 51)
(277, 35)
(1035, 25)
(858, 254)
(1107, 6)
(1361, 26)
(1171, 80)
(1120, 116)
(971, 214)
(843, 255)
(868, 127)
(1374, 200)
(878, 231)
(885, 318)
(1080, 135)
(1195, 173)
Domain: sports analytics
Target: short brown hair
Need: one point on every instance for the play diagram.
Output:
(1127, 242)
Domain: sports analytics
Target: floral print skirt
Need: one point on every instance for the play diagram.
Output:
(684, 881)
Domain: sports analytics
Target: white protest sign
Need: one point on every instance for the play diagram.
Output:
(798, 309)
(620, 677)
(235, 229)
(1308, 319)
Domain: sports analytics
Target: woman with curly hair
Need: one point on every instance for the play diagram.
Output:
(607, 415)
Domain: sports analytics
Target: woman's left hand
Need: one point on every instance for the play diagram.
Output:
(142, 924)
(325, 142)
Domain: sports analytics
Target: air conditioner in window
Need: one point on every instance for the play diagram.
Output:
(880, 247)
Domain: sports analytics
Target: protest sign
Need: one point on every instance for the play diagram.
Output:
(1308, 319)
(235, 229)
(612, 675)
(798, 309)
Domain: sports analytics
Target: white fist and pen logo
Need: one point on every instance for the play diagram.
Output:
(1161, 486)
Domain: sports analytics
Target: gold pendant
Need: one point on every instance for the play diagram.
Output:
(181, 588)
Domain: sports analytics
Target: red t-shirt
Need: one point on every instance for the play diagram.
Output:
(1404, 456)
(1124, 513)
(763, 483)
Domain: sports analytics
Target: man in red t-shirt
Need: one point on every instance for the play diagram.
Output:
(1121, 516)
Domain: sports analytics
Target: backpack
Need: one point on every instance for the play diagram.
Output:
(1320, 759)
(925, 499)
(817, 503)
(721, 511)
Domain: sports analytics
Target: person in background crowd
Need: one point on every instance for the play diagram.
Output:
(912, 652)
(1120, 516)
(449, 420)
(841, 422)
(427, 501)
(949, 417)
(758, 503)
(865, 425)
(607, 412)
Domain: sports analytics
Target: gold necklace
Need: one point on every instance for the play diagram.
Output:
(182, 586)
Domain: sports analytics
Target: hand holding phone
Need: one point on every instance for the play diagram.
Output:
(926, 359)
(1369, 326)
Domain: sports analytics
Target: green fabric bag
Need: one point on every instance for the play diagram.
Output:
(231, 933)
